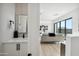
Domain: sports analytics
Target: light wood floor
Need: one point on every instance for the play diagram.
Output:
(48, 49)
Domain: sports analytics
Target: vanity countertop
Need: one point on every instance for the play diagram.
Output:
(16, 40)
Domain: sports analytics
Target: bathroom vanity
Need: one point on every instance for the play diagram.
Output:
(12, 18)
(15, 47)
(15, 34)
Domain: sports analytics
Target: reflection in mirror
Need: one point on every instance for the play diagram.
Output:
(21, 22)
(22, 25)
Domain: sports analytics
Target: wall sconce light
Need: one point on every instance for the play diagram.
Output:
(10, 23)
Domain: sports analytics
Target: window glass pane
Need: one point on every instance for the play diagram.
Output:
(63, 27)
(58, 25)
(69, 26)
(55, 27)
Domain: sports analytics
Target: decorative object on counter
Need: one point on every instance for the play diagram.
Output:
(23, 35)
(29, 54)
(15, 34)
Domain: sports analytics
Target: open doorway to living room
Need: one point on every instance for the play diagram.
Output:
(56, 22)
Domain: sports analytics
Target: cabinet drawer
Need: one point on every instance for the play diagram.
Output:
(10, 49)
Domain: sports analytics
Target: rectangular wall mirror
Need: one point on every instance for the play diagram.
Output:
(21, 21)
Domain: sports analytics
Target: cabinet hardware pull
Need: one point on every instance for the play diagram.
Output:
(18, 47)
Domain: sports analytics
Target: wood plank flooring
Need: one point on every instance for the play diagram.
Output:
(48, 49)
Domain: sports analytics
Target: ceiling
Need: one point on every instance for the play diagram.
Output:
(50, 11)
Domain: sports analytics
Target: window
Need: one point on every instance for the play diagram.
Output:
(57, 30)
(63, 27)
(69, 26)
(57, 27)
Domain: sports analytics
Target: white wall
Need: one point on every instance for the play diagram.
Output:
(34, 28)
(75, 19)
(72, 42)
(0, 30)
(7, 12)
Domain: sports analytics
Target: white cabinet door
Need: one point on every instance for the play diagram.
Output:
(10, 49)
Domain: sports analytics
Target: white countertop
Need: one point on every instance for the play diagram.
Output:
(16, 40)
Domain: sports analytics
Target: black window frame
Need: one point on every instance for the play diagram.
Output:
(60, 25)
